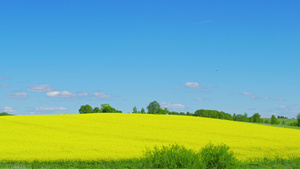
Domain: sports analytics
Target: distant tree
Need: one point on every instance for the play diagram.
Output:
(274, 120)
(298, 118)
(173, 113)
(5, 114)
(295, 123)
(283, 123)
(163, 111)
(97, 110)
(234, 117)
(84, 109)
(182, 113)
(213, 114)
(281, 117)
(267, 121)
(143, 111)
(256, 118)
(189, 114)
(153, 107)
(106, 108)
(135, 110)
(240, 117)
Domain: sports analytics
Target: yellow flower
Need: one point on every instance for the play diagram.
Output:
(124, 136)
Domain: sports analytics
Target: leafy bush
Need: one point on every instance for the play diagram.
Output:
(176, 156)
(217, 156)
(298, 119)
(274, 120)
(293, 124)
(267, 121)
(256, 118)
(213, 114)
(5, 114)
(172, 156)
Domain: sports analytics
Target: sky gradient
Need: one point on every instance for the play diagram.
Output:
(231, 56)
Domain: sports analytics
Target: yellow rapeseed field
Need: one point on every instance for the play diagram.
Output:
(123, 136)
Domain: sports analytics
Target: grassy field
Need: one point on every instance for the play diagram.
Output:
(286, 121)
(137, 164)
(280, 120)
(117, 139)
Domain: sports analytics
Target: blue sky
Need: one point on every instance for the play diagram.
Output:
(232, 56)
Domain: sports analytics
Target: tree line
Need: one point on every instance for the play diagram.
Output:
(105, 108)
(155, 108)
(5, 114)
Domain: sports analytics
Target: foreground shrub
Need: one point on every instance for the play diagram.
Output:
(217, 156)
(176, 156)
(173, 156)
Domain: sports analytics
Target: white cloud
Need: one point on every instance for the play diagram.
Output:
(4, 85)
(172, 106)
(40, 88)
(60, 94)
(262, 98)
(102, 94)
(192, 85)
(195, 85)
(202, 22)
(246, 93)
(282, 107)
(21, 95)
(201, 99)
(65, 94)
(82, 94)
(8, 110)
(51, 109)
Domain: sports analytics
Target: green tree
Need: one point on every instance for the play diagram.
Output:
(135, 110)
(106, 108)
(84, 109)
(153, 107)
(240, 117)
(256, 118)
(274, 120)
(5, 114)
(298, 118)
(234, 117)
(97, 110)
(163, 111)
(267, 121)
(143, 111)
(182, 113)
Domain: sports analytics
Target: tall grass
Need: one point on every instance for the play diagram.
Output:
(176, 156)
(173, 156)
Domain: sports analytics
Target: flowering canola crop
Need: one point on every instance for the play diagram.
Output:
(106, 136)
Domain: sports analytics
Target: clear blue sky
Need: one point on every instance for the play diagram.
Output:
(232, 56)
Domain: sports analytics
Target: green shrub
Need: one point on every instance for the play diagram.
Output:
(217, 156)
(267, 121)
(293, 123)
(172, 156)
(5, 114)
(176, 156)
